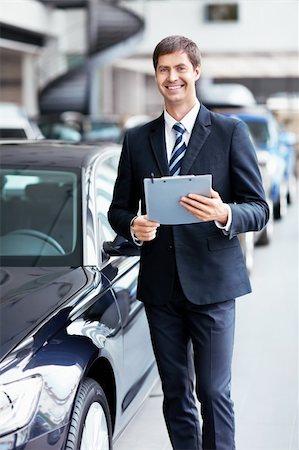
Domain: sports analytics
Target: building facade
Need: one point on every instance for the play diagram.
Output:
(251, 42)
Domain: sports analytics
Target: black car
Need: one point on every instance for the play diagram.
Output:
(76, 357)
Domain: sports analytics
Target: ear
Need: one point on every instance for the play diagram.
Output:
(197, 72)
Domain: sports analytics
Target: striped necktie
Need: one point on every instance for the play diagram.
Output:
(179, 149)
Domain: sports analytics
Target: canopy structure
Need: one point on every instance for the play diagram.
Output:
(280, 65)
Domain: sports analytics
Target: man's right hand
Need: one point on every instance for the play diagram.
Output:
(144, 229)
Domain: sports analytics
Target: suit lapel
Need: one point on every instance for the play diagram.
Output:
(200, 132)
(157, 139)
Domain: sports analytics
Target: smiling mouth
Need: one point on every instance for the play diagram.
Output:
(174, 88)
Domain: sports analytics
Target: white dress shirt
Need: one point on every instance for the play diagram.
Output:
(188, 121)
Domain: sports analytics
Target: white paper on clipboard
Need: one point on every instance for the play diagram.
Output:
(162, 196)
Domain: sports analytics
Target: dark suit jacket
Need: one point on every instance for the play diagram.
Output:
(210, 265)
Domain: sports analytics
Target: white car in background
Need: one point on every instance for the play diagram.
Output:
(15, 124)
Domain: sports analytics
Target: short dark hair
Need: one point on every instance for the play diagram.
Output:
(176, 43)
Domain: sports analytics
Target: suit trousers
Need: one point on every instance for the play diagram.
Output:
(195, 342)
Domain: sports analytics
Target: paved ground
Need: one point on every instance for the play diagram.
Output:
(265, 368)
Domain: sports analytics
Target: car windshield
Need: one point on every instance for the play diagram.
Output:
(40, 220)
(259, 131)
(103, 131)
(12, 133)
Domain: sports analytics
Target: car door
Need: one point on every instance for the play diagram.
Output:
(122, 272)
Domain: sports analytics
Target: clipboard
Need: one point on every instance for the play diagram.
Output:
(162, 196)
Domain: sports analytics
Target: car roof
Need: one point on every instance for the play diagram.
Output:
(253, 117)
(227, 94)
(257, 113)
(257, 109)
(51, 153)
(14, 122)
(13, 110)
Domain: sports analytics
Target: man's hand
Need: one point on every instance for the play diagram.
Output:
(205, 208)
(144, 229)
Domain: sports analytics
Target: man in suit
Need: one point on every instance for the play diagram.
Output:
(190, 274)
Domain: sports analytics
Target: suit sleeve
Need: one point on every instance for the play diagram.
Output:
(250, 211)
(125, 201)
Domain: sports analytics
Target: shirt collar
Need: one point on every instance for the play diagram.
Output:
(188, 120)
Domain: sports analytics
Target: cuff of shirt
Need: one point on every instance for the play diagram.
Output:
(134, 238)
(225, 228)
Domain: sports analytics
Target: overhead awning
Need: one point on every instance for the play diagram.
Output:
(230, 65)
(251, 66)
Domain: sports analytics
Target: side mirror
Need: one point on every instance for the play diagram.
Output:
(288, 138)
(120, 247)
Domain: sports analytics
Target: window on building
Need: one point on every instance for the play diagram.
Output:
(222, 12)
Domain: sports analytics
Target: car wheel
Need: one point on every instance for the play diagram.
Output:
(90, 426)
(265, 236)
(247, 246)
(292, 190)
(280, 208)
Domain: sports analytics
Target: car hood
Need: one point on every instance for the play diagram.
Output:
(29, 295)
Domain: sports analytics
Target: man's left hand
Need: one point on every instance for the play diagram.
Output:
(205, 208)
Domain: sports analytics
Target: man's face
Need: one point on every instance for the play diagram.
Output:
(175, 78)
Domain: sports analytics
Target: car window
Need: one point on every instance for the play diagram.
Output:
(12, 133)
(103, 131)
(105, 179)
(259, 131)
(60, 131)
(39, 213)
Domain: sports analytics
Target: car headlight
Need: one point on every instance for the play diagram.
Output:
(18, 402)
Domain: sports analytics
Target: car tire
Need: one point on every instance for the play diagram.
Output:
(280, 208)
(266, 235)
(247, 245)
(90, 425)
(292, 190)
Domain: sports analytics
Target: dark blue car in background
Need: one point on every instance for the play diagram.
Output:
(276, 147)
